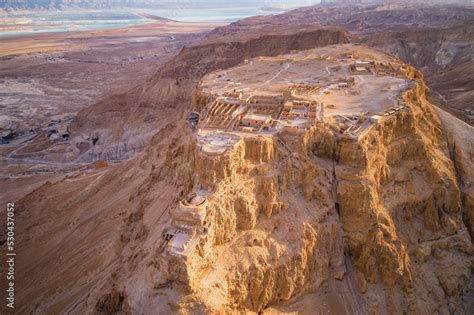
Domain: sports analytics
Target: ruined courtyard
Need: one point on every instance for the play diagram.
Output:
(344, 85)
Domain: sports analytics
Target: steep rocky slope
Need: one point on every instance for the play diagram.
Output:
(459, 135)
(416, 231)
(287, 211)
(286, 215)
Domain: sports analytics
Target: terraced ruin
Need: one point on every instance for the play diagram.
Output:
(291, 93)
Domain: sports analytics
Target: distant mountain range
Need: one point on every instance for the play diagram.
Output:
(425, 2)
(106, 4)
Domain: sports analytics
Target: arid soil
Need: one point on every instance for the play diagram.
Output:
(59, 74)
(314, 220)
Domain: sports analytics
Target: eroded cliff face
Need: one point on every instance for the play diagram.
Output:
(400, 205)
(285, 214)
(272, 230)
(272, 220)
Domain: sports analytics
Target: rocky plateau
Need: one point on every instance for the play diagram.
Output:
(301, 163)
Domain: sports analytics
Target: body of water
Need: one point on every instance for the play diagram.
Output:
(61, 21)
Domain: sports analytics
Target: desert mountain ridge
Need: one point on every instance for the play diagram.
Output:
(293, 163)
(266, 220)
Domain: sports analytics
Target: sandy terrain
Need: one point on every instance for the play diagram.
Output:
(58, 74)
